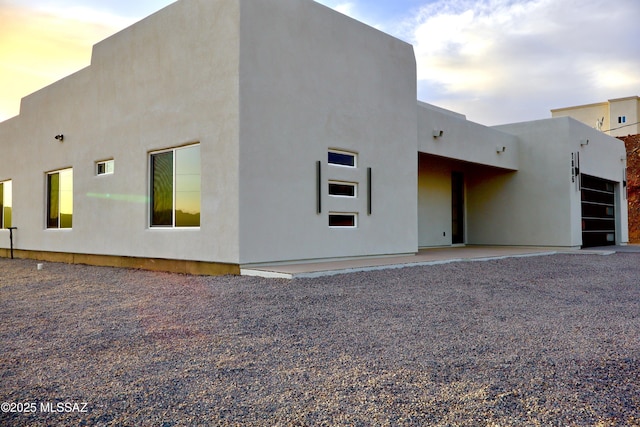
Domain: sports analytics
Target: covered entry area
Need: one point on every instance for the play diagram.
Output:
(452, 198)
(598, 201)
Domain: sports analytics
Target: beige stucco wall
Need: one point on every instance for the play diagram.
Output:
(169, 80)
(610, 111)
(434, 201)
(543, 203)
(629, 108)
(312, 79)
(587, 114)
(464, 140)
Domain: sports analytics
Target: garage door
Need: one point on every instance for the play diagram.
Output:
(598, 212)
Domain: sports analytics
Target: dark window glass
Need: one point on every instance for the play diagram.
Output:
(162, 189)
(345, 190)
(343, 159)
(342, 220)
(53, 207)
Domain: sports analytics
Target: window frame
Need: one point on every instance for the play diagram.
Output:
(353, 185)
(106, 163)
(342, 153)
(61, 225)
(174, 190)
(353, 215)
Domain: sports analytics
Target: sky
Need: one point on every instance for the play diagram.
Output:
(496, 61)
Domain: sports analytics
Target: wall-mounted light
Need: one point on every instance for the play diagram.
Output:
(59, 137)
(584, 142)
(437, 133)
(501, 149)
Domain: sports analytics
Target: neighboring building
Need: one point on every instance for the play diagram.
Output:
(221, 134)
(616, 117)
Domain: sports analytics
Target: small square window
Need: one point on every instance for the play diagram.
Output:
(342, 158)
(622, 119)
(343, 220)
(343, 189)
(104, 167)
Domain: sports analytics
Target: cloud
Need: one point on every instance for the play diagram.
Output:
(41, 46)
(346, 8)
(510, 60)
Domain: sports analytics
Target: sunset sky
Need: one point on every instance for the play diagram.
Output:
(497, 61)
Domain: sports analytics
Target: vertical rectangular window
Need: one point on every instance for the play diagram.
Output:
(53, 200)
(60, 199)
(5, 204)
(175, 187)
(162, 191)
(188, 187)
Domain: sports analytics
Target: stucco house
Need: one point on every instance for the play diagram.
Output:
(219, 134)
(618, 117)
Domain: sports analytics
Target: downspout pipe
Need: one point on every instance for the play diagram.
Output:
(11, 239)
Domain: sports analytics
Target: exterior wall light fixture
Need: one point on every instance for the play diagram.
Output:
(437, 133)
(501, 149)
(59, 137)
(584, 142)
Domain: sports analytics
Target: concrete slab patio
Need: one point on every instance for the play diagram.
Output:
(429, 256)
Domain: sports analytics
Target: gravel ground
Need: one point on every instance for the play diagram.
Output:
(540, 341)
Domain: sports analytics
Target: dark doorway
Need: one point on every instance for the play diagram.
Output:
(457, 208)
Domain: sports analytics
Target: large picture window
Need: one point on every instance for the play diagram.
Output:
(60, 199)
(5, 204)
(175, 187)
